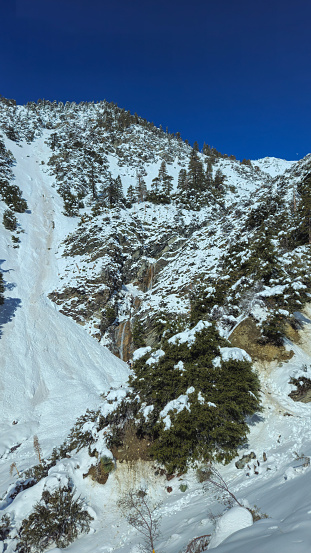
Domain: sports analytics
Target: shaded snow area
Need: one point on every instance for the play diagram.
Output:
(52, 371)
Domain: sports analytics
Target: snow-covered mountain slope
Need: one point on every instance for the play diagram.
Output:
(50, 368)
(119, 273)
(281, 441)
(273, 166)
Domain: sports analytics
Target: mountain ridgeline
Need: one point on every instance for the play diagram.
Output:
(172, 251)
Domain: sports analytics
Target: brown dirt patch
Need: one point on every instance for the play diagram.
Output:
(133, 448)
(246, 336)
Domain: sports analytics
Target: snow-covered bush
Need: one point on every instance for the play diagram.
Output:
(191, 402)
(57, 519)
(5, 527)
(9, 220)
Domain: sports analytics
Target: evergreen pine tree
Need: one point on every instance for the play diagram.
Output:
(304, 208)
(114, 192)
(206, 149)
(182, 183)
(219, 180)
(141, 188)
(165, 182)
(155, 189)
(196, 173)
(130, 196)
(209, 174)
(1, 289)
(9, 220)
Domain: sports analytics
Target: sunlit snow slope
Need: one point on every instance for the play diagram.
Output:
(51, 370)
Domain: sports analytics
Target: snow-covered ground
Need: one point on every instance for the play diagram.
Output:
(52, 371)
(273, 166)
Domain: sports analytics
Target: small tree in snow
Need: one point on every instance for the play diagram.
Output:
(142, 514)
(37, 448)
(213, 479)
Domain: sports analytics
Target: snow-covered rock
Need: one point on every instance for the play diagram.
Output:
(231, 521)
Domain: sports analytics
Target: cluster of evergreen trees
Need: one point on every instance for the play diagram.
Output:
(216, 398)
(267, 262)
(197, 187)
(10, 193)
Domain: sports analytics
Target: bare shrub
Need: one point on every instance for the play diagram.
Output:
(12, 467)
(213, 479)
(141, 513)
(37, 448)
(197, 545)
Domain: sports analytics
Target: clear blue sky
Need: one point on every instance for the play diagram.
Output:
(235, 74)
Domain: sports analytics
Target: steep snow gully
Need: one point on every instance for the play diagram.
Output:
(50, 367)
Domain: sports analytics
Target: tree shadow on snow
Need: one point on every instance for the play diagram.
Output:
(254, 419)
(7, 310)
(301, 319)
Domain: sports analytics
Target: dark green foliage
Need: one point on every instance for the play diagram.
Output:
(108, 317)
(161, 187)
(1, 289)
(138, 334)
(5, 527)
(37, 472)
(196, 173)
(107, 464)
(246, 162)
(71, 203)
(263, 260)
(12, 196)
(304, 210)
(219, 399)
(9, 220)
(171, 327)
(218, 184)
(114, 192)
(16, 241)
(273, 329)
(78, 438)
(10, 193)
(130, 196)
(192, 184)
(196, 187)
(268, 207)
(57, 519)
(204, 297)
(11, 133)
